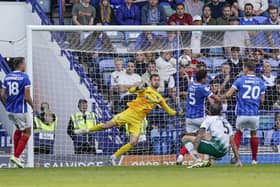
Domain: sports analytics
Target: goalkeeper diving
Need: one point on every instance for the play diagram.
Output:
(214, 138)
(147, 99)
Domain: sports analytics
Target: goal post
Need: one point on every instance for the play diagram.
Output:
(68, 63)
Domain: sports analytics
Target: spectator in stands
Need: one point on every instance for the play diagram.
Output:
(216, 8)
(128, 79)
(224, 19)
(128, 14)
(44, 131)
(235, 62)
(83, 119)
(170, 41)
(151, 69)
(140, 62)
(64, 7)
(146, 40)
(166, 64)
(258, 57)
(248, 19)
(267, 76)
(272, 96)
(115, 76)
(201, 66)
(150, 56)
(105, 14)
(207, 18)
(273, 19)
(153, 14)
(230, 37)
(225, 78)
(180, 17)
(83, 13)
(193, 7)
(259, 7)
(114, 84)
(97, 41)
(275, 139)
(184, 78)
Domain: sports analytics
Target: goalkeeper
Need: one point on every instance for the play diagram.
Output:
(147, 99)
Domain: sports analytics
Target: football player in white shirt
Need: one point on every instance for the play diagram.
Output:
(214, 138)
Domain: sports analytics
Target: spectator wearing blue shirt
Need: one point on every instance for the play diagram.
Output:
(153, 14)
(258, 56)
(128, 14)
(275, 139)
(257, 38)
(273, 19)
(216, 8)
(146, 40)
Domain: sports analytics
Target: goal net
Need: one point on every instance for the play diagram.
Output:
(92, 68)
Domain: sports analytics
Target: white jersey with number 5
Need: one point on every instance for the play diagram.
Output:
(220, 130)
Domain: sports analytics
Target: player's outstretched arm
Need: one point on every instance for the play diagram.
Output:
(27, 97)
(4, 95)
(235, 152)
(229, 93)
(167, 109)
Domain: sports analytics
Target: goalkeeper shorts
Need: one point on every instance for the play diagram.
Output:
(132, 119)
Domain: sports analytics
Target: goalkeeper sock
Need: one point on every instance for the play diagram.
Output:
(98, 127)
(17, 136)
(123, 150)
(21, 145)
(237, 138)
(189, 147)
(254, 147)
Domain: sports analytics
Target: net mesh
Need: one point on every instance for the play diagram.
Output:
(101, 66)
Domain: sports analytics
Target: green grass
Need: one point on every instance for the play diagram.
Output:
(169, 176)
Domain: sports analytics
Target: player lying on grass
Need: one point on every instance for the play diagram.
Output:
(215, 143)
(147, 99)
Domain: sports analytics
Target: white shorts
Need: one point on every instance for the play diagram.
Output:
(247, 122)
(193, 124)
(21, 120)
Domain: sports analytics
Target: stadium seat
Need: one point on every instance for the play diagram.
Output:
(266, 122)
(208, 62)
(167, 8)
(106, 67)
(115, 36)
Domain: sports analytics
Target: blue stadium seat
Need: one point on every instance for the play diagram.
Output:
(131, 36)
(208, 62)
(266, 122)
(106, 67)
(115, 36)
(274, 63)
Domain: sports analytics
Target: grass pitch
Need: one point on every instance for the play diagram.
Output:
(169, 176)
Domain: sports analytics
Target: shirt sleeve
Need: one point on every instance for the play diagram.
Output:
(75, 10)
(165, 107)
(205, 124)
(206, 92)
(27, 82)
(4, 85)
(236, 84)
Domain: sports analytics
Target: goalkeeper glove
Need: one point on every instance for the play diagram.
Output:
(142, 86)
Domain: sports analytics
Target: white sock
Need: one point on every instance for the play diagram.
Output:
(113, 157)
(189, 147)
